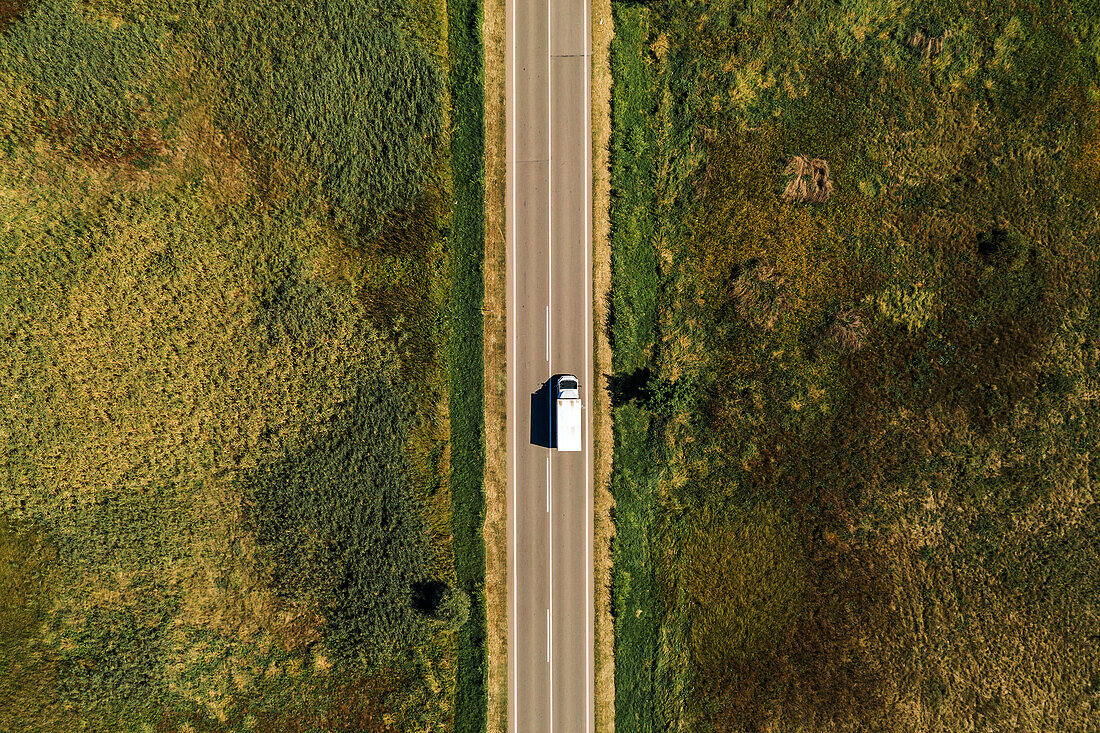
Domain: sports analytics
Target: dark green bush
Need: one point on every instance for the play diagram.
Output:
(454, 610)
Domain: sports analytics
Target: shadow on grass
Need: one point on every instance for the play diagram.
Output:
(632, 387)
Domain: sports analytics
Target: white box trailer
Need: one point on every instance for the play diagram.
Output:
(567, 414)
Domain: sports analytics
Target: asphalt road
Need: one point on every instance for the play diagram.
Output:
(549, 333)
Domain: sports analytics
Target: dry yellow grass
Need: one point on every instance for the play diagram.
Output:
(603, 439)
(495, 361)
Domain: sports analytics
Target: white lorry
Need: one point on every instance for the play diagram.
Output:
(567, 415)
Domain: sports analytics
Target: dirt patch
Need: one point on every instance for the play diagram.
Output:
(496, 369)
(603, 439)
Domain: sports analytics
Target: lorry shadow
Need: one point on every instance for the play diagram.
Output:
(542, 416)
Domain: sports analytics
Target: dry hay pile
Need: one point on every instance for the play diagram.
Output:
(848, 331)
(759, 294)
(815, 190)
(928, 44)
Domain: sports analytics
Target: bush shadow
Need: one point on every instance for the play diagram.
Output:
(632, 387)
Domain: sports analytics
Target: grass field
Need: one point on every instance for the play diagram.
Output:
(226, 339)
(855, 393)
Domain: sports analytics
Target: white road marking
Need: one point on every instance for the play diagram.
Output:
(510, 121)
(549, 640)
(547, 484)
(550, 291)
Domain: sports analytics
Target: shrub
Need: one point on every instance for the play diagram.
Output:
(453, 608)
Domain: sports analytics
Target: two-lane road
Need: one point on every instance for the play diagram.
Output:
(549, 332)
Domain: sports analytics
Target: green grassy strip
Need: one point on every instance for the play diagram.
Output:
(467, 380)
(634, 326)
(636, 625)
(633, 177)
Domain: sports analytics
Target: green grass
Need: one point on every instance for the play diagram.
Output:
(28, 569)
(96, 84)
(634, 605)
(633, 333)
(805, 532)
(634, 258)
(467, 372)
(339, 87)
(223, 497)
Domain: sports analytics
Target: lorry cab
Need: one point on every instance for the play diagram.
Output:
(568, 387)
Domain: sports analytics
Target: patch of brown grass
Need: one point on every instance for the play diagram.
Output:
(815, 190)
(928, 44)
(494, 330)
(130, 149)
(10, 12)
(602, 428)
(848, 331)
(202, 152)
(760, 295)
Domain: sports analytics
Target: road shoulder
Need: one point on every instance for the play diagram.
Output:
(495, 361)
(602, 435)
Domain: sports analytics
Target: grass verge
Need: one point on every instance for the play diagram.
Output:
(495, 323)
(467, 379)
(634, 274)
(603, 30)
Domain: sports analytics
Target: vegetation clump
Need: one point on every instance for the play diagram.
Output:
(911, 306)
(928, 43)
(760, 294)
(444, 603)
(848, 332)
(816, 189)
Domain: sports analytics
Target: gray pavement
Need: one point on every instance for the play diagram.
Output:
(549, 332)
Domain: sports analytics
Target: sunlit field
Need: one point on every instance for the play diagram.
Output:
(856, 365)
(225, 367)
